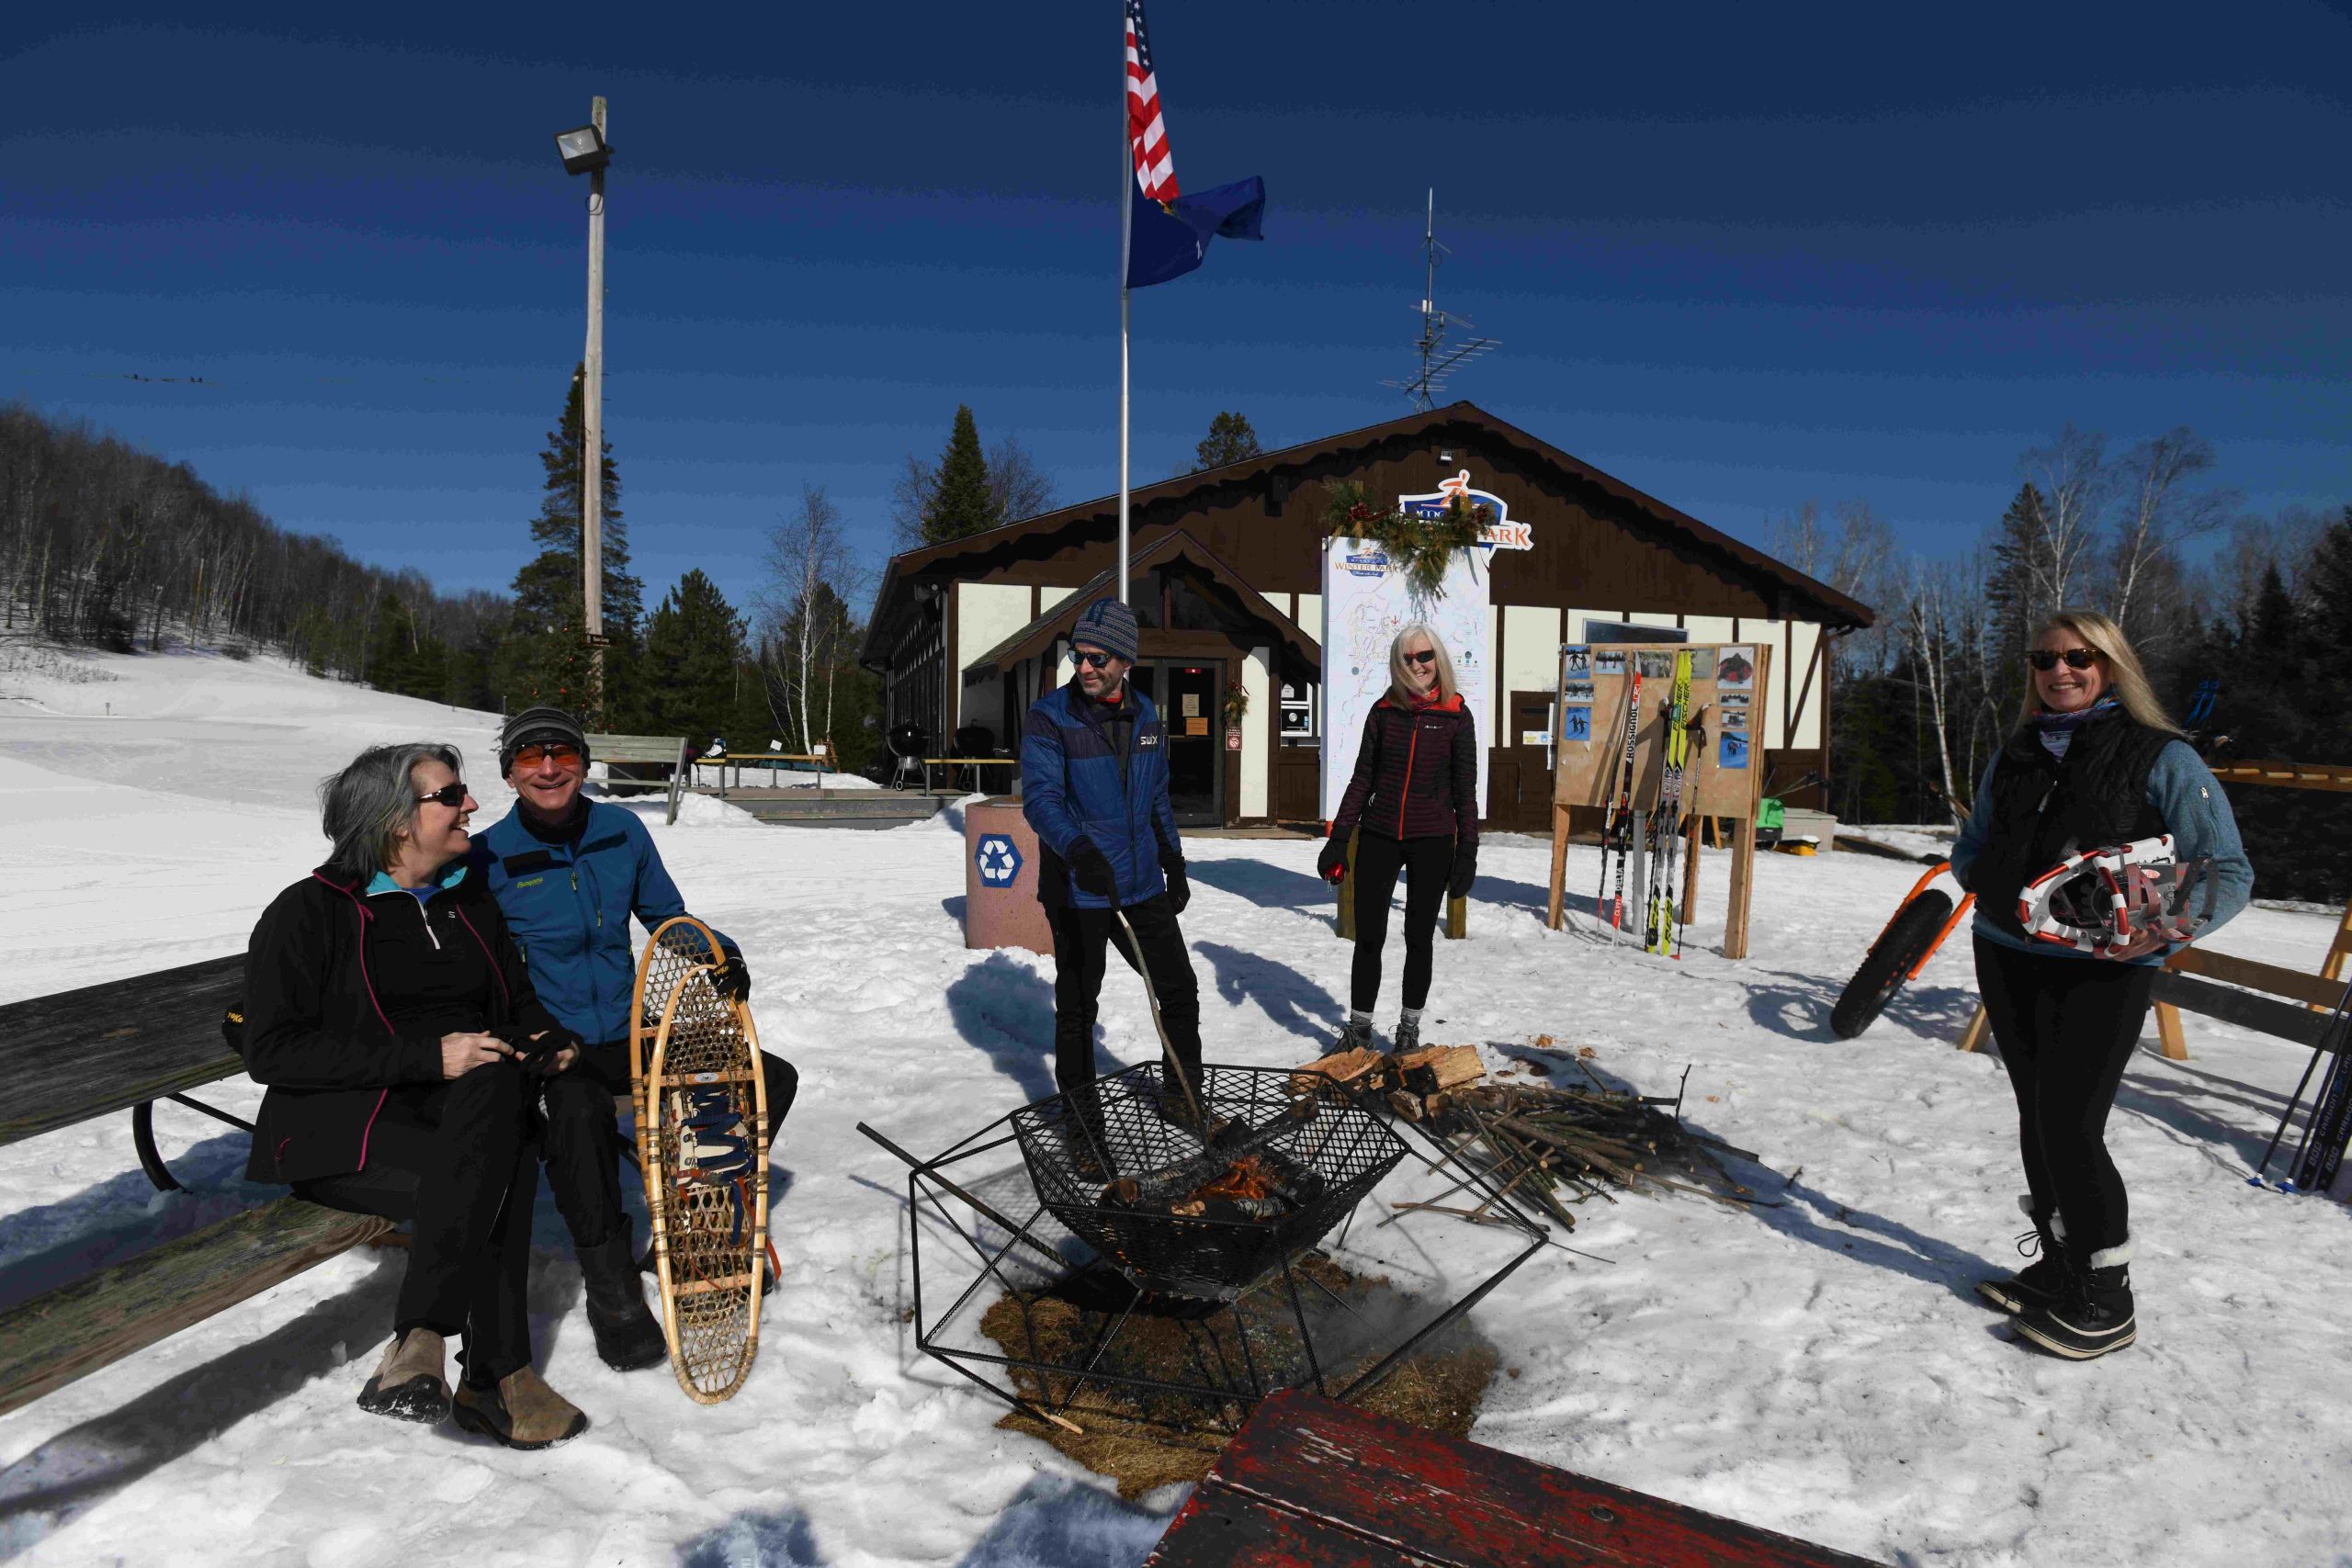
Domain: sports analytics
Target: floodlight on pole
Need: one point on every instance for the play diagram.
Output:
(585, 151)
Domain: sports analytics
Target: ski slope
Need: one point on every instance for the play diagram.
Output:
(1822, 1367)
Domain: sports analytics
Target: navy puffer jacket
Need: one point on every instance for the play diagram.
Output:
(1089, 771)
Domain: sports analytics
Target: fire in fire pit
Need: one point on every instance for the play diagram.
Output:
(1122, 1165)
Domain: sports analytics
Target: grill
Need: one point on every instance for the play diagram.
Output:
(1123, 1164)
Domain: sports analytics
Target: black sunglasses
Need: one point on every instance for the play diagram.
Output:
(2076, 658)
(1427, 655)
(451, 794)
(1090, 658)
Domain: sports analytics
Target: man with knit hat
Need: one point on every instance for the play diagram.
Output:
(567, 873)
(1094, 785)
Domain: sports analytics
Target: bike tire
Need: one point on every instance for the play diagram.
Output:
(1889, 962)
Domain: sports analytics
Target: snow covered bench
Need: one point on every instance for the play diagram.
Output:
(80, 1055)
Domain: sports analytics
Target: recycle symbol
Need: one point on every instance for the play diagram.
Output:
(997, 860)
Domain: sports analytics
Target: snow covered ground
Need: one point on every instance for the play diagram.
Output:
(1822, 1367)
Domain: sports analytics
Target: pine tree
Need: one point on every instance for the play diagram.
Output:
(2016, 605)
(691, 646)
(961, 502)
(1230, 440)
(543, 657)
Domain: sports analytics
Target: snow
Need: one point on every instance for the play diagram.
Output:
(1822, 1368)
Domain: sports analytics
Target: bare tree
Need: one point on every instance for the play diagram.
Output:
(1936, 631)
(810, 568)
(2077, 488)
(2161, 511)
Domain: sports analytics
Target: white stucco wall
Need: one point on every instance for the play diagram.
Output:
(1531, 650)
(1257, 763)
(985, 614)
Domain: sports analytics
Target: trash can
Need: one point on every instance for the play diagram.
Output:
(1001, 860)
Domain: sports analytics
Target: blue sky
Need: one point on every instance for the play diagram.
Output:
(1742, 257)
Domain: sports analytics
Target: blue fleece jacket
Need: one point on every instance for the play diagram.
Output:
(2196, 813)
(569, 900)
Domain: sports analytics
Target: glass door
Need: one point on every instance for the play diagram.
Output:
(1188, 695)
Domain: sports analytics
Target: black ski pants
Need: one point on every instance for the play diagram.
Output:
(1426, 863)
(2067, 1028)
(459, 1163)
(583, 1142)
(1082, 941)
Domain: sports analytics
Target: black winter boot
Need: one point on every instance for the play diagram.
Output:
(627, 1336)
(2039, 1282)
(1354, 1037)
(2094, 1315)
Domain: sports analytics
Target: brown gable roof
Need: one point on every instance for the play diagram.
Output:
(1830, 607)
(1040, 634)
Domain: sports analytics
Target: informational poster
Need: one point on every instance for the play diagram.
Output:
(1366, 602)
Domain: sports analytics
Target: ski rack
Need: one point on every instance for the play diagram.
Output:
(1037, 1252)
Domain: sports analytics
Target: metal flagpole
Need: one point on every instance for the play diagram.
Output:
(1126, 240)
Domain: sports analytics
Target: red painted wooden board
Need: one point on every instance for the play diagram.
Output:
(1309, 1484)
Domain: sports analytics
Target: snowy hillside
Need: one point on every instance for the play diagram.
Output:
(1822, 1367)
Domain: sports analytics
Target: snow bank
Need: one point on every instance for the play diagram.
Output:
(1821, 1366)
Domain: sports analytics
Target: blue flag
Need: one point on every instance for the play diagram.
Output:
(1166, 243)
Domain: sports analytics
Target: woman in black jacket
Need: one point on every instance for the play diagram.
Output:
(389, 1013)
(1413, 804)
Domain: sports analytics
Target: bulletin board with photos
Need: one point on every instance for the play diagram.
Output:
(1729, 688)
(1730, 692)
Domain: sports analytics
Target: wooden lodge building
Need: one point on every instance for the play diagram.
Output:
(1226, 572)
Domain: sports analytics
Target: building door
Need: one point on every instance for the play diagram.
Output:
(1188, 696)
(1528, 749)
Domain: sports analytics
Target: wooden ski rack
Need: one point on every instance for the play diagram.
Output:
(1584, 767)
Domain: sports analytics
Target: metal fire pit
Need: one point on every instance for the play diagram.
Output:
(1323, 1149)
(1007, 1238)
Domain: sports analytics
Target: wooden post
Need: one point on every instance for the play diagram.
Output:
(1560, 822)
(2168, 1035)
(1347, 891)
(1457, 918)
(1743, 874)
(1974, 1036)
(2340, 947)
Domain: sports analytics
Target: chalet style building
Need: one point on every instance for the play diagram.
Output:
(1226, 577)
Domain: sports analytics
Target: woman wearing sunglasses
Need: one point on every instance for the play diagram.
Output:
(389, 1013)
(1413, 804)
(2095, 763)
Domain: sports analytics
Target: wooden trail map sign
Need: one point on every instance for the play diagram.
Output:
(1730, 695)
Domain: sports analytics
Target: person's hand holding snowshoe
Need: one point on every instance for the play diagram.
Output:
(732, 978)
(1090, 868)
(1180, 887)
(1332, 865)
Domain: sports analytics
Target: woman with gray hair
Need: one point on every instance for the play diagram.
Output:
(1413, 805)
(388, 1015)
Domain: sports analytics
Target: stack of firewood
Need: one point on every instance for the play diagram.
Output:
(1546, 1146)
(1418, 1085)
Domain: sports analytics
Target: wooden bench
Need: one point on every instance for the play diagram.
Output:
(667, 749)
(1311, 1482)
(125, 1045)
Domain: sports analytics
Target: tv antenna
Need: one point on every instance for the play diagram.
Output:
(1439, 359)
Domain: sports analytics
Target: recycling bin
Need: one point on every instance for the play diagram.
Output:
(1001, 860)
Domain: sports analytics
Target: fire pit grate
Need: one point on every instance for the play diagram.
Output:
(1124, 1165)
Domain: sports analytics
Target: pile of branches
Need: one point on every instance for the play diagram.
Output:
(1551, 1146)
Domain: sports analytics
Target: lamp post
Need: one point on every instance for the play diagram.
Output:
(585, 152)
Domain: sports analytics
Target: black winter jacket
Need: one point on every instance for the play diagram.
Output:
(2041, 810)
(328, 971)
(1416, 774)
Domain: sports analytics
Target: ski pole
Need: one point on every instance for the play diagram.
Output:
(2289, 1115)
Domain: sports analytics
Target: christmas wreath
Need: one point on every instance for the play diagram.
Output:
(1422, 547)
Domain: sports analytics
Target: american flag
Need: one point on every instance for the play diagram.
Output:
(1147, 132)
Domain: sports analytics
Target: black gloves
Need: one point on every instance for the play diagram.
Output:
(1465, 866)
(1180, 890)
(1092, 869)
(1332, 865)
(732, 978)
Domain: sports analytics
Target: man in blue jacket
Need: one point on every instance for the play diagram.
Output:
(568, 873)
(1094, 785)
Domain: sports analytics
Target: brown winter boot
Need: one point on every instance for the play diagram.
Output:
(521, 1412)
(411, 1383)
